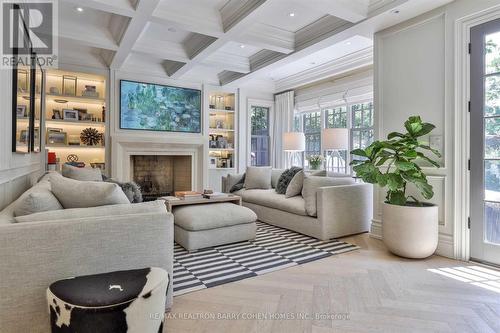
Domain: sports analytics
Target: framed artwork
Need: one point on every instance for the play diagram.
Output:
(69, 85)
(21, 111)
(57, 138)
(71, 115)
(212, 162)
(56, 114)
(156, 107)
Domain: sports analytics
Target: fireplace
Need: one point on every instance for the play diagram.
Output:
(161, 175)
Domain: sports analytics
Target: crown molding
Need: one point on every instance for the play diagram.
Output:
(335, 67)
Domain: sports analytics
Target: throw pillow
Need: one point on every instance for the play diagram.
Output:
(285, 179)
(238, 185)
(295, 186)
(37, 201)
(81, 194)
(258, 178)
(311, 186)
(131, 190)
(87, 174)
(275, 176)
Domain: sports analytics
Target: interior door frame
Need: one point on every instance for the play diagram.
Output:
(479, 251)
(461, 232)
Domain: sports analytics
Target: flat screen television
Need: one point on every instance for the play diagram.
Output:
(155, 107)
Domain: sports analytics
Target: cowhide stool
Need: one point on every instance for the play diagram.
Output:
(118, 302)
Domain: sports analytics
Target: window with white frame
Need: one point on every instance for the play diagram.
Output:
(336, 161)
(260, 139)
(362, 125)
(358, 117)
(312, 132)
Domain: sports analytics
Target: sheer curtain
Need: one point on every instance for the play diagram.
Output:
(282, 122)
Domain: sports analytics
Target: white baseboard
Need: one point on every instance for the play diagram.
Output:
(445, 242)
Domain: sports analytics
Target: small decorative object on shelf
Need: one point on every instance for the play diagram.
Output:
(56, 114)
(73, 140)
(57, 138)
(103, 113)
(72, 158)
(315, 161)
(69, 85)
(90, 136)
(90, 91)
(54, 91)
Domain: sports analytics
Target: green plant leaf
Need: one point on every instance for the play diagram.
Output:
(394, 181)
(425, 188)
(434, 163)
(393, 135)
(434, 151)
(359, 152)
(413, 125)
(410, 154)
(367, 171)
(396, 198)
(405, 166)
(426, 128)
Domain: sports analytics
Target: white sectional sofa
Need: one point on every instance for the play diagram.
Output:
(343, 209)
(49, 246)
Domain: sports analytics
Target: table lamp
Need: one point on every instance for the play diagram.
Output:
(293, 143)
(335, 139)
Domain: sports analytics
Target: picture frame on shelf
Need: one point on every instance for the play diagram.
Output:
(56, 114)
(21, 111)
(213, 162)
(24, 136)
(69, 85)
(57, 138)
(70, 115)
(101, 166)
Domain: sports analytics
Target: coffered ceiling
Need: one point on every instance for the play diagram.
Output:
(223, 41)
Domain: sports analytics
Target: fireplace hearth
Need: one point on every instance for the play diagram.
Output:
(161, 175)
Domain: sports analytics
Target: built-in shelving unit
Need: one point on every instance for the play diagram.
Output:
(221, 130)
(84, 96)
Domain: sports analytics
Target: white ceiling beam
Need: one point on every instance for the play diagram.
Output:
(227, 61)
(119, 7)
(236, 18)
(349, 10)
(162, 49)
(187, 21)
(93, 37)
(136, 26)
(269, 38)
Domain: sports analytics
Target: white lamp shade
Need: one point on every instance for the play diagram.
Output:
(294, 141)
(335, 138)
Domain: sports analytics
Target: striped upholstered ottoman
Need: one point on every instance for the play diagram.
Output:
(130, 301)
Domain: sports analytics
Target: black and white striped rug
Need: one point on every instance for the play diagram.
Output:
(274, 248)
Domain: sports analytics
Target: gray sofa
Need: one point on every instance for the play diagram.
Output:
(343, 209)
(72, 242)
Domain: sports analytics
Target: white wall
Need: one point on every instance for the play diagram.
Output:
(414, 75)
(17, 171)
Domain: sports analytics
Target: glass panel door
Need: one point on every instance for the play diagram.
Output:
(485, 142)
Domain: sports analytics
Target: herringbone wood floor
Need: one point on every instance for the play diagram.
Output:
(379, 292)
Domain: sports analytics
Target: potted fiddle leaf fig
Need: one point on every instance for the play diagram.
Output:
(409, 226)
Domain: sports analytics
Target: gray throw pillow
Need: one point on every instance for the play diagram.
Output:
(275, 176)
(131, 190)
(311, 186)
(37, 201)
(258, 178)
(240, 184)
(82, 194)
(84, 174)
(295, 186)
(285, 179)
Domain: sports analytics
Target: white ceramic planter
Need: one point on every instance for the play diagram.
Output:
(410, 232)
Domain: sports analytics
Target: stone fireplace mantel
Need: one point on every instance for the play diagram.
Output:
(124, 148)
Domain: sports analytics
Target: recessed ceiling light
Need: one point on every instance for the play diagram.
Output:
(395, 11)
(242, 46)
(291, 14)
(79, 9)
(347, 43)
